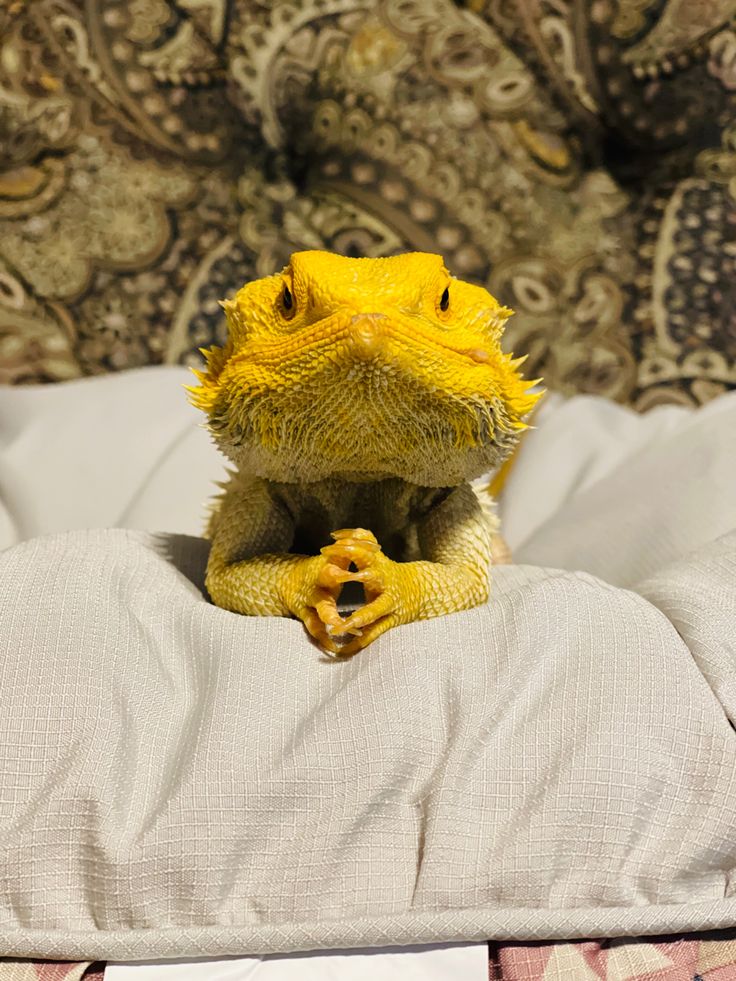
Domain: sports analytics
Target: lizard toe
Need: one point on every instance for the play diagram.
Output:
(377, 609)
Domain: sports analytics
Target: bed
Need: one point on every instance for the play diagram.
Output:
(627, 549)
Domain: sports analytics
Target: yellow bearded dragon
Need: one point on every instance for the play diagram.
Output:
(356, 399)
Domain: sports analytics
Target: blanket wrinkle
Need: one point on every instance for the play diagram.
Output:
(702, 619)
(368, 803)
(187, 554)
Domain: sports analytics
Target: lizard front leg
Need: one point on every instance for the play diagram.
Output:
(455, 537)
(251, 571)
(277, 584)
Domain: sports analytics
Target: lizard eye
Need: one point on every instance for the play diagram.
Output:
(287, 300)
(445, 300)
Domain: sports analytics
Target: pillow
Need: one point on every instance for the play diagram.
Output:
(119, 450)
(181, 781)
(600, 488)
(128, 450)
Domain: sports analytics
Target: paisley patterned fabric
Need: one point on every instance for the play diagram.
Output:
(578, 157)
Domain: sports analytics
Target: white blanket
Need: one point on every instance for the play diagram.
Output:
(434, 962)
(179, 781)
(595, 486)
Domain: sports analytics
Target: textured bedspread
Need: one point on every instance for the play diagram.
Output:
(179, 780)
(710, 957)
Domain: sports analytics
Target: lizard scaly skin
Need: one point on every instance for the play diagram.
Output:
(356, 399)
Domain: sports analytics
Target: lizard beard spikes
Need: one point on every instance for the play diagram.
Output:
(373, 422)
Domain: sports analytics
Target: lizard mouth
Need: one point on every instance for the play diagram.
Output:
(410, 345)
(372, 335)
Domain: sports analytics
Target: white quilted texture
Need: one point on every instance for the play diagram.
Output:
(179, 781)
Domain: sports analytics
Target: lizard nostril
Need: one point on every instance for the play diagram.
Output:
(360, 318)
(367, 333)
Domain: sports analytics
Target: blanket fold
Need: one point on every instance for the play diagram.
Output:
(178, 780)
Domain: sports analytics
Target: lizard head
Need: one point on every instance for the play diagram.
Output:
(362, 369)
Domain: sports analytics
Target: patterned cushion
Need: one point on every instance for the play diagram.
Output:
(579, 159)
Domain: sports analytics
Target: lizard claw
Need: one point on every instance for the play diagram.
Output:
(344, 636)
(343, 630)
(332, 576)
(371, 568)
(372, 612)
(361, 535)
